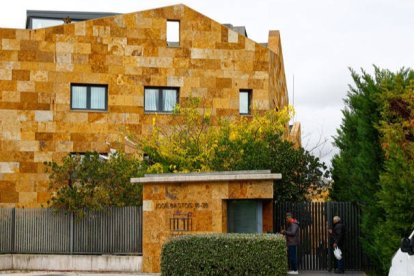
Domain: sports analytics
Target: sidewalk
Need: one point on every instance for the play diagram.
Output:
(59, 273)
(326, 273)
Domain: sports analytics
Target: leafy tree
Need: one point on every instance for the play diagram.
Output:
(250, 151)
(300, 169)
(374, 166)
(184, 145)
(357, 167)
(360, 158)
(193, 142)
(396, 196)
(87, 182)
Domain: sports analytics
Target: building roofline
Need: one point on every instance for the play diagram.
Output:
(210, 176)
(74, 15)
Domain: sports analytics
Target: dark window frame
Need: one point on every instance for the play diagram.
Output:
(88, 96)
(160, 103)
(62, 15)
(173, 44)
(102, 155)
(249, 99)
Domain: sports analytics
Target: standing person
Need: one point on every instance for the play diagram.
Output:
(292, 239)
(338, 238)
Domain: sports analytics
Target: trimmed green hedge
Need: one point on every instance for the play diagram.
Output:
(225, 254)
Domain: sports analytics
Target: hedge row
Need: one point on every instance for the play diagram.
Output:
(225, 254)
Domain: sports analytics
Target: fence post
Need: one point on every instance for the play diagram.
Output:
(71, 233)
(13, 232)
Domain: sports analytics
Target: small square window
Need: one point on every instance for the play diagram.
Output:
(245, 101)
(89, 97)
(160, 99)
(173, 33)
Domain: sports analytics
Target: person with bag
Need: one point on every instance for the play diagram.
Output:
(338, 238)
(292, 239)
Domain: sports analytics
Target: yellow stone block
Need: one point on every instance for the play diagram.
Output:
(39, 75)
(82, 48)
(28, 145)
(27, 198)
(64, 47)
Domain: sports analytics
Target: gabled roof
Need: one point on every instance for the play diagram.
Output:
(239, 29)
(62, 15)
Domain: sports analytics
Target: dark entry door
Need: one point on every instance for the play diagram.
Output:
(244, 216)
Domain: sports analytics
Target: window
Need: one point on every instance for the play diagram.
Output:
(38, 23)
(89, 97)
(101, 156)
(160, 99)
(245, 216)
(245, 101)
(173, 33)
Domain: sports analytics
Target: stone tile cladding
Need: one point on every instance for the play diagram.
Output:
(207, 204)
(126, 52)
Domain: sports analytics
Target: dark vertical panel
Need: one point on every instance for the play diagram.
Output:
(45, 231)
(6, 227)
(314, 252)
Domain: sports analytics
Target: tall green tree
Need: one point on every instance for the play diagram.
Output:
(396, 196)
(356, 169)
(361, 169)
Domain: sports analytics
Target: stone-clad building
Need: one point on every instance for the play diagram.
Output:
(76, 87)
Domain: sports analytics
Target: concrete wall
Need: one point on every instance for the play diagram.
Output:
(6, 262)
(71, 263)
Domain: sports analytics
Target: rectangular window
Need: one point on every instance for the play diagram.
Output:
(89, 97)
(160, 99)
(173, 33)
(38, 23)
(245, 101)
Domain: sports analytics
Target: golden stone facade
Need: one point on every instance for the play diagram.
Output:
(196, 204)
(127, 53)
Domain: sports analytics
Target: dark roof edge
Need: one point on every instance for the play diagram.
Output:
(75, 15)
(239, 29)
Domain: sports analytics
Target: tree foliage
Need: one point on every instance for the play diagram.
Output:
(194, 143)
(87, 182)
(375, 163)
(396, 194)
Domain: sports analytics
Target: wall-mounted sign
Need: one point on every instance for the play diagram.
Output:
(181, 222)
(181, 205)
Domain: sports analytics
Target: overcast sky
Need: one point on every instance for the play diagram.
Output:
(320, 40)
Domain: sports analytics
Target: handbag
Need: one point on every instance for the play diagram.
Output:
(338, 253)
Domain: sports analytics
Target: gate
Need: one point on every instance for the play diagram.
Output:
(315, 218)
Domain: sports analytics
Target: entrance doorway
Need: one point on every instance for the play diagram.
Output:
(245, 216)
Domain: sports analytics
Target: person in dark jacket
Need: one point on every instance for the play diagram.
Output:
(292, 239)
(338, 238)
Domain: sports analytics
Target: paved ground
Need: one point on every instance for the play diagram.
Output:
(44, 273)
(40, 273)
(325, 273)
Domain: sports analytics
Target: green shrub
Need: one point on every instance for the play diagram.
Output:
(225, 254)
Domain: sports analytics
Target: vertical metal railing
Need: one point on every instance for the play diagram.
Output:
(315, 219)
(113, 231)
(6, 230)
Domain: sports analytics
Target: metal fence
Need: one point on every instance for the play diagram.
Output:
(113, 231)
(315, 218)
